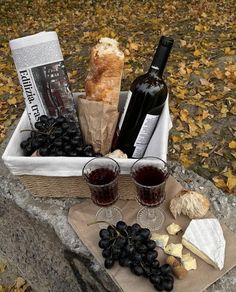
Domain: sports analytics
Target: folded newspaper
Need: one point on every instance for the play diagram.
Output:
(42, 75)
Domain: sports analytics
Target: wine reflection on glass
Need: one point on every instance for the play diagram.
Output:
(149, 175)
(101, 175)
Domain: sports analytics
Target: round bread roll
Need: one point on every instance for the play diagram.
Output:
(189, 203)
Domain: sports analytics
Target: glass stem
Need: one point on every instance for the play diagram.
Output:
(108, 212)
(151, 213)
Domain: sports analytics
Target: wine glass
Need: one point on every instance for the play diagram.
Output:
(101, 175)
(149, 175)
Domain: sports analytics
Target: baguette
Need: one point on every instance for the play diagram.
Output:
(105, 71)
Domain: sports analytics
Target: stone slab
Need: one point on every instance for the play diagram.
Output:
(35, 234)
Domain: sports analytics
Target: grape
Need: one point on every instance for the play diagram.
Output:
(151, 244)
(104, 234)
(60, 120)
(71, 132)
(121, 226)
(132, 247)
(136, 227)
(145, 233)
(39, 126)
(43, 151)
(108, 263)
(167, 285)
(165, 269)
(120, 241)
(124, 262)
(24, 144)
(137, 257)
(104, 243)
(43, 119)
(138, 270)
(65, 126)
(106, 253)
(155, 279)
(142, 248)
(59, 135)
(151, 256)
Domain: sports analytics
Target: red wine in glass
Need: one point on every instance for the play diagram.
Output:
(151, 191)
(103, 186)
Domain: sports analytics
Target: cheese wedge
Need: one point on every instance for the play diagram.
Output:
(174, 249)
(205, 238)
(160, 239)
(189, 262)
(173, 229)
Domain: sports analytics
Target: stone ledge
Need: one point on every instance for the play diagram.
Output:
(39, 234)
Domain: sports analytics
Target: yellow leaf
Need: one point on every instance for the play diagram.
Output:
(197, 53)
(204, 82)
(228, 51)
(207, 127)
(183, 43)
(3, 266)
(205, 114)
(202, 145)
(231, 183)
(187, 146)
(176, 139)
(203, 154)
(184, 114)
(133, 46)
(12, 101)
(193, 129)
(185, 160)
(224, 110)
(214, 97)
(232, 145)
(2, 289)
(219, 182)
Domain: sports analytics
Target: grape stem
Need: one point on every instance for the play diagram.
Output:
(29, 130)
(102, 221)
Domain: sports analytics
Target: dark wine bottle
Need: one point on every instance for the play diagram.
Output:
(144, 104)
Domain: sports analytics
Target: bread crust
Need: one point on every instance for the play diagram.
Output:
(189, 203)
(104, 78)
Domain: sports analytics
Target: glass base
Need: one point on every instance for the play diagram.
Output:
(151, 218)
(109, 214)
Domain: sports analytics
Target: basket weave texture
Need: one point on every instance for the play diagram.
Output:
(73, 186)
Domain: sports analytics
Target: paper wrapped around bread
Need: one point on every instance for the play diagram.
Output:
(98, 109)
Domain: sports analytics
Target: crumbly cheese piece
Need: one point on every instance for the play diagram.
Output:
(174, 249)
(189, 262)
(160, 239)
(205, 238)
(173, 229)
(116, 154)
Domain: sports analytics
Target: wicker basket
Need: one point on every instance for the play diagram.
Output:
(62, 176)
(73, 186)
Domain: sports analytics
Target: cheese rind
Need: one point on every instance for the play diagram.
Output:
(205, 238)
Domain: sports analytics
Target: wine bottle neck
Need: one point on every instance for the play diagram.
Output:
(161, 55)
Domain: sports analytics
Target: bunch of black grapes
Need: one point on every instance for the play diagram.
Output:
(132, 247)
(56, 137)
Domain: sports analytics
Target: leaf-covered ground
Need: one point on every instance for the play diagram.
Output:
(201, 71)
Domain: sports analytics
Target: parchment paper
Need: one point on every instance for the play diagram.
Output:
(196, 281)
(98, 123)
